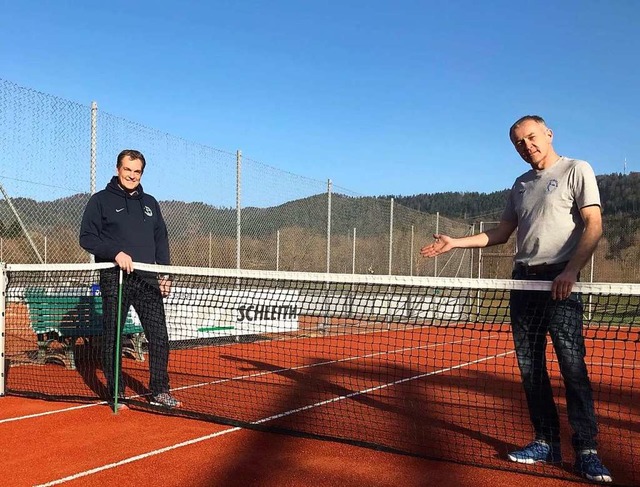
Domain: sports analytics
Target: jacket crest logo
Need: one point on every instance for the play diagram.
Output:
(147, 211)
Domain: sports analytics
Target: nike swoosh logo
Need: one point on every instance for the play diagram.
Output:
(119, 210)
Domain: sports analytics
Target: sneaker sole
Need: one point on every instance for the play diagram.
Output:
(529, 461)
(598, 478)
(166, 406)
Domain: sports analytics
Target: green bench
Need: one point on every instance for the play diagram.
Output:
(65, 318)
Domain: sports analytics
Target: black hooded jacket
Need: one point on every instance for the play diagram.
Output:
(115, 221)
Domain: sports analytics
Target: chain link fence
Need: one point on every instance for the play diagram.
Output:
(222, 209)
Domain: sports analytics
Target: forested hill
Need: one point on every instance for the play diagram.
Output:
(620, 196)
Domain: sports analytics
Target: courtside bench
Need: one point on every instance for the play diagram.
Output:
(64, 318)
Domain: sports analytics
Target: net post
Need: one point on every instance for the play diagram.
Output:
(117, 353)
(3, 314)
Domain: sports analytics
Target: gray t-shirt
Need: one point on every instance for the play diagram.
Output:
(546, 206)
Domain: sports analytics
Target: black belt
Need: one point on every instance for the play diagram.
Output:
(540, 269)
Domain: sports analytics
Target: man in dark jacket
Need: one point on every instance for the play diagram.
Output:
(123, 224)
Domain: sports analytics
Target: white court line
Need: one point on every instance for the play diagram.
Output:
(266, 420)
(327, 362)
(249, 376)
(263, 420)
(47, 413)
(137, 457)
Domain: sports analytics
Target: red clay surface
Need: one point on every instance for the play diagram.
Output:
(455, 403)
(44, 449)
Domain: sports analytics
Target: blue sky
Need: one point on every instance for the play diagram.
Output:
(383, 97)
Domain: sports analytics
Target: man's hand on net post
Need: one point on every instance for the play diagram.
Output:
(125, 262)
(165, 285)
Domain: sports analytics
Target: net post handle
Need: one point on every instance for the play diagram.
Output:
(117, 353)
(3, 314)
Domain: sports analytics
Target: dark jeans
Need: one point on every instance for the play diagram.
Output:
(147, 301)
(533, 315)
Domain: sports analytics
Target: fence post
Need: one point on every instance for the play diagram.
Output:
(238, 218)
(480, 230)
(411, 254)
(94, 142)
(435, 259)
(328, 225)
(353, 253)
(390, 236)
(473, 232)
(92, 162)
(277, 250)
(210, 248)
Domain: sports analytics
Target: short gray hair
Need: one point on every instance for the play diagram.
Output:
(535, 118)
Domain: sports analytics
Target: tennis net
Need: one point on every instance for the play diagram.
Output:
(414, 365)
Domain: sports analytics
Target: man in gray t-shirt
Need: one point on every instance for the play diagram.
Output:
(555, 209)
(545, 205)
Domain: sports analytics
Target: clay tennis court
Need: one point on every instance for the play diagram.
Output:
(347, 412)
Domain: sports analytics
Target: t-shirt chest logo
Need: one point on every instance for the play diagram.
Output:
(147, 211)
(552, 185)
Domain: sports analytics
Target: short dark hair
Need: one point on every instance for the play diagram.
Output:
(535, 118)
(133, 154)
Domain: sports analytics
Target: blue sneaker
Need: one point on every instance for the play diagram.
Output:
(537, 451)
(590, 467)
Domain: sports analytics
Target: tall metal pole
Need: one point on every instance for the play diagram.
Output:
(480, 230)
(210, 248)
(328, 225)
(353, 253)
(277, 250)
(435, 259)
(94, 151)
(472, 253)
(94, 142)
(390, 236)
(411, 254)
(238, 218)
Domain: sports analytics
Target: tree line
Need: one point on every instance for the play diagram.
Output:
(620, 195)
